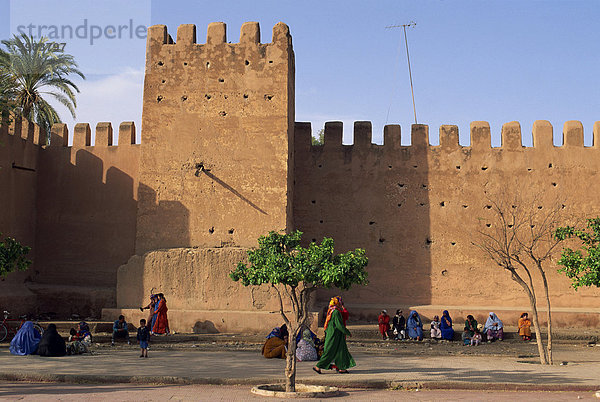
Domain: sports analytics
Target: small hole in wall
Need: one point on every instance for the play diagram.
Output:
(532, 226)
(208, 64)
(230, 231)
(453, 243)
(160, 63)
(510, 226)
(320, 221)
(184, 98)
(563, 206)
(381, 240)
(314, 201)
(457, 167)
(320, 166)
(207, 96)
(389, 166)
(163, 81)
(399, 205)
(529, 169)
(555, 184)
(484, 168)
(270, 61)
(428, 241)
(465, 206)
(224, 96)
(268, 97)
(424, 185)
(185, 63)
(442, 204)
(488, 207)
(245, 96)
(513, 206)
(159, 98)
(372, 223)
(400, 185)
(246, 62)
(549, 165)
(211, 230)
(445, 272)
(540, 207)
(222, 113)
(489, 225)
(415, 166)
(221, 80)
(422, 204)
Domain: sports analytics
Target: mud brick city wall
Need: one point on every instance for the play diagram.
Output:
(217, 131)
(417, 209)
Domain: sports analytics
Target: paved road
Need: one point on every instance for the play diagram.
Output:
(128, 392)
(239, 367)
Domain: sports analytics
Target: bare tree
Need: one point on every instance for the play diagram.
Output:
(519, 238)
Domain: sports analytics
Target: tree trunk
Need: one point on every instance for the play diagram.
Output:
(290, 364)
(538, 333)
(534, 314)
(546, 292)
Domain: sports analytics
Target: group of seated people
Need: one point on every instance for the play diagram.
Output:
(29, 341)
(442, 329)
(308, 346)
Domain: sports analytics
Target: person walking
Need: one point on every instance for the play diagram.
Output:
(336, 350)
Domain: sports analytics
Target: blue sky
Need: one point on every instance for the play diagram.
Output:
(497, 61)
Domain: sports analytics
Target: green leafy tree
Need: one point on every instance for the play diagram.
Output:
(582, 266)
(34, 70)
(280, 261)
(319, 139)
(13, 256)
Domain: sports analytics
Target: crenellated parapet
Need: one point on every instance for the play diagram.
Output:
(82, 135)
(511, 136)
(27, 131)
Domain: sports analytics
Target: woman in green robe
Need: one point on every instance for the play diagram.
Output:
(335, 350)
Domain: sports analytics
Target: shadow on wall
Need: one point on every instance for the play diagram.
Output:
(369, 196)
(205, 327)
(86, 227)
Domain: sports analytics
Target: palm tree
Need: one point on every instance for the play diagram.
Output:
(34, 69)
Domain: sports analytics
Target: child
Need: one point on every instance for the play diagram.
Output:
(143, 335)
(436, 332)
(476, 338)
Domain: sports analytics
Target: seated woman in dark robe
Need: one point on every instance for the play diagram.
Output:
(52, 344)
(276, 343)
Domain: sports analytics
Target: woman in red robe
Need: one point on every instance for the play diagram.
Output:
(161, 325)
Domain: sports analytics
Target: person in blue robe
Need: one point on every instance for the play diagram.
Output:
(26, 340)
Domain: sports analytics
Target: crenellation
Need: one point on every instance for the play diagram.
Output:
(511, 136)
(449, 137)
(392, 136)
(419, 136)
(186, 35)
(362, 134)
(481, 136)
(127, 133)
(216, 33)
(250, 33)
(573, 134)
(281, 35)
(59, 135)
(302, 136)
(542, 134)
(333, 134)
(104, 134)
(82, 135)
(596, 137)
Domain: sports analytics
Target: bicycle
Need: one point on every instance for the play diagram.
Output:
(6, 327)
